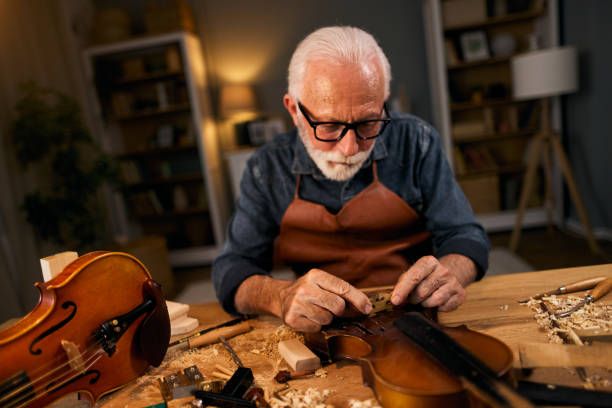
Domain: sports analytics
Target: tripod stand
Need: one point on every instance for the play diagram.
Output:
(542, 143)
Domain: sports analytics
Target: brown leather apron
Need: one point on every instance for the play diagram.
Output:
(372, 239)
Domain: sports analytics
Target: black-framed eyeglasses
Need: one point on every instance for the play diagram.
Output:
(334, 131)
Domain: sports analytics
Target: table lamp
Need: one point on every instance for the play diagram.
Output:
(540, 75)
(237, 98)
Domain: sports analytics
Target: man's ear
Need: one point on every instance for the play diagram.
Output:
(292, 108)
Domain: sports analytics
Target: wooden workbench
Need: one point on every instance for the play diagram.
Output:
(491, 307)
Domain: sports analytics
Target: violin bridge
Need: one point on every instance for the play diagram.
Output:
(380, 302)
(75, 358)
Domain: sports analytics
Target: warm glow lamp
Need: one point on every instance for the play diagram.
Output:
(237, 98)
(543, 74)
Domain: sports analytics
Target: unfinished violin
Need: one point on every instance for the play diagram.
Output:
(399, 371)
(98, 325)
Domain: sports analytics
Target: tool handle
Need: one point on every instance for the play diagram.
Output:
(601, 289)
(583, 284)
(213, 336)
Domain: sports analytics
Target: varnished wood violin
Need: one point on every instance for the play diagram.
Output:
(402, 374)
(98, 325)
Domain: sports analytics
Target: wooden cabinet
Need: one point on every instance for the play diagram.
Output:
(153, 116)
(486, 133)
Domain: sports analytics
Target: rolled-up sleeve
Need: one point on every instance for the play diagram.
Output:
(249, 242)
(447, 211)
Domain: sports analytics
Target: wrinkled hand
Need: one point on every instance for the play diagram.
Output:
(431, 284)
(314, 299)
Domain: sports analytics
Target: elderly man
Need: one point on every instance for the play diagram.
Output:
(354, 197)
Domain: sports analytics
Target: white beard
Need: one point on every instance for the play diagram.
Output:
(333, 164)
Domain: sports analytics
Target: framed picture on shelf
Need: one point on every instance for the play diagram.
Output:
(474, 46)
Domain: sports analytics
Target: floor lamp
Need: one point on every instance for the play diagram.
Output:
(543, 74)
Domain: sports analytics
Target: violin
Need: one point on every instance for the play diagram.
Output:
(98, 325)
(399, 371)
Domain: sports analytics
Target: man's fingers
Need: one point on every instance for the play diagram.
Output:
(411, 278)
(342, 288)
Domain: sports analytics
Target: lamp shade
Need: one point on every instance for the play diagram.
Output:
(542, 73)
(237, 98)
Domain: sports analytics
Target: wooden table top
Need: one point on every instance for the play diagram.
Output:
(491, 307)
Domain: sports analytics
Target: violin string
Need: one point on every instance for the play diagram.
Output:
(59, 358)
(35, 380)
(42, 389)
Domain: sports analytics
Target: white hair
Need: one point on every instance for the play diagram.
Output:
(338, 45)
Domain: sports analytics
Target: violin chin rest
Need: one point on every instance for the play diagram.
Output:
(154, 332)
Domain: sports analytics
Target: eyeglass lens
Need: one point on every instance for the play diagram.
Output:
(334, 130)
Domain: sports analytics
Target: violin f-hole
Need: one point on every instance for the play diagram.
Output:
(54, 328)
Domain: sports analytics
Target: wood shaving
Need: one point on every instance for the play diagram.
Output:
(371, 403)
(590, 317)
(310, 398)
(321, 372)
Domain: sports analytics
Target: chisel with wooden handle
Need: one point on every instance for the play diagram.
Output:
(600, 290)
(569, 288)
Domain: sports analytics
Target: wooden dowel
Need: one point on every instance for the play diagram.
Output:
(213, 336)
(224, 369)
(221, 375)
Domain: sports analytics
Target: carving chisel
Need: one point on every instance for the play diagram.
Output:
(569, 288)
(600, 290)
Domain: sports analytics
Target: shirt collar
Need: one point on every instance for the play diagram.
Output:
(303, 164)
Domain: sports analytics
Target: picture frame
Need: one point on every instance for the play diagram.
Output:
(474, 46)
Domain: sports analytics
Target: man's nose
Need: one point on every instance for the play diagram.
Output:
(348, 145)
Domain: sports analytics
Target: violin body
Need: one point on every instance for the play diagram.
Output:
(98, 325)
(398, 371)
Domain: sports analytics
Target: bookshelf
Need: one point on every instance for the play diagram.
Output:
(486, 134)
(153, 115)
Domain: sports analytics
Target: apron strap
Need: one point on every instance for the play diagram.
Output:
(375, 170)
(297, 186)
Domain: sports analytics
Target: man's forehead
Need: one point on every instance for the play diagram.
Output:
(329, 82)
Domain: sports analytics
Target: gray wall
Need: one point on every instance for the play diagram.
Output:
(257, 38)
(588, 138)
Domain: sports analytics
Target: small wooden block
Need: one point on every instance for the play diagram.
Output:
(298, 356)
(53, 265)
(183, 325)
(176, 310)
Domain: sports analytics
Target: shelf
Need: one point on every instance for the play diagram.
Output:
(160, 151)
(505, 169)
(183, 107)
(462, 106)
(149, 77)
(480, 63)
(183, 178)
(489, 137)
(174, 214)
(493, 21)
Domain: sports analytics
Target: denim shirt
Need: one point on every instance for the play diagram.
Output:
(410, 162)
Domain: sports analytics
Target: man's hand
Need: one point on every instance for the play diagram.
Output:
(305, 304)
(314, 299)
(435, 283)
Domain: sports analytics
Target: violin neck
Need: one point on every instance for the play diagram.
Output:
(474, 374)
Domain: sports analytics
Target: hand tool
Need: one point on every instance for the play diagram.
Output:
(566, 339)
(600, 290)
(231, 351)
(229, 323)
(572, 287)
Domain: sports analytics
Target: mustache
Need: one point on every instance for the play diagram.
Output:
(340, 158)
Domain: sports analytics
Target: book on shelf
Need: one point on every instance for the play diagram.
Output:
(468, 128)
(145, 203)
(479, 158)
(130, 172)
(460, 164)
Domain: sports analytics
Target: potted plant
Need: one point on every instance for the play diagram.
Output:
(49, 134)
